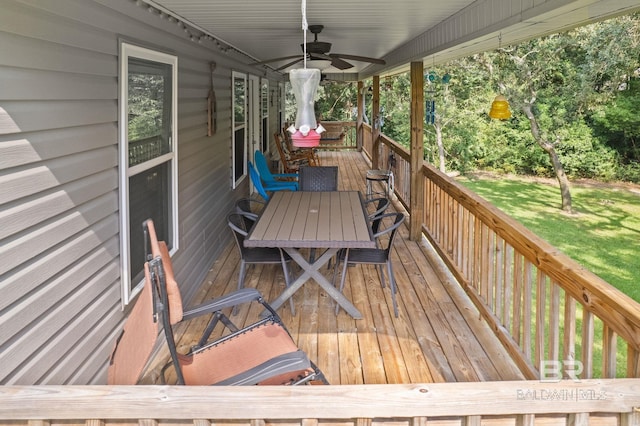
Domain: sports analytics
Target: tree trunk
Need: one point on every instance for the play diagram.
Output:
(438, 127)
(549, 148)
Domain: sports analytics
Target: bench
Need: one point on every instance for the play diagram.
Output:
(334, 133)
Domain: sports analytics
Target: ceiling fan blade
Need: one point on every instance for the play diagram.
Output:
(340, 63)
(359, 58)
(319, 56)
(283, 58)
(287, 65)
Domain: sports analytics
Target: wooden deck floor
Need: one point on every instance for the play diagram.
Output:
(438, 337)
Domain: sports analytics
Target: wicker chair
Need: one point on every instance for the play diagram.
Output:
(324, 178)
(374, 256)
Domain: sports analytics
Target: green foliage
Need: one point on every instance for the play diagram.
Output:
(618, 122)
(337, 101)
(146, 105)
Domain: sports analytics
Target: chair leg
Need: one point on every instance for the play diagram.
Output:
(344, 274)
(287, 281)
(392, 284)
(241, 275)
(381, 276)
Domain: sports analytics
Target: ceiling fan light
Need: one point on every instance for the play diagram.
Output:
(500, 108)
(321, 64)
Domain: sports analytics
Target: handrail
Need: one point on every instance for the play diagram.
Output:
(385, 403)
(545, 307)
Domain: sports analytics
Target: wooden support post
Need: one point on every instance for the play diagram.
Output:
(416, 203)
(375, 124)
(360, 118)
(525, 420)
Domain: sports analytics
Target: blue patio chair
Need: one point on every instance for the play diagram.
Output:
(272, 178)
(263, 189)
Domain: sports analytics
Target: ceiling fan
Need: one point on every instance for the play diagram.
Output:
(320, 50)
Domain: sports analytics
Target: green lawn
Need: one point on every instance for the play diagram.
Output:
(603, 235)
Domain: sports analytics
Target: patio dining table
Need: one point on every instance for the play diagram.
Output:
(294, 220)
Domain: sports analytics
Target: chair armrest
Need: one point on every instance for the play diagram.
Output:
(230, 300)
(285, 175)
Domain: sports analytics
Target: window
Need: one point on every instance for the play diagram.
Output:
(148, 156)
(239, 149)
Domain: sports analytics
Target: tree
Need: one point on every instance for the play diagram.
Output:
(540, 83)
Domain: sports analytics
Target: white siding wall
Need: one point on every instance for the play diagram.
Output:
(59, 237)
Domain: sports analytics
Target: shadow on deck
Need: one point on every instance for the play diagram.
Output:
(438, 336)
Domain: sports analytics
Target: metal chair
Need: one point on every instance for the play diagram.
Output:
(383, 177)
(273, 179)
(380, 206)
(250, 209)
(319, 178)
(256, 255)
(374, 256)
(260, 353)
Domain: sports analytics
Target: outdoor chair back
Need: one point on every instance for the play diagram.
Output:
(389, 224)
(320, 178)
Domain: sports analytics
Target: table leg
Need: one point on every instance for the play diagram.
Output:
(311, 270)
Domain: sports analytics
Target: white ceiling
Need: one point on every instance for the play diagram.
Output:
(398, 31)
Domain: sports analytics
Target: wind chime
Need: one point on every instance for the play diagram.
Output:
(430, 107)
(304, 83)
(430, 102)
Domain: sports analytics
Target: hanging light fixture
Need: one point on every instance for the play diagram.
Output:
(500, 108)
(500, 105)
(304, 82)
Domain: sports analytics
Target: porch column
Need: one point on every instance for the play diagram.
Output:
(416, 203)
(375, 124)
(360, 117)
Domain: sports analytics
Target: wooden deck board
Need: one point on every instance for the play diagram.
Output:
(438, 336)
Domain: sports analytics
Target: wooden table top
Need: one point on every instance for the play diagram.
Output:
(300, 219)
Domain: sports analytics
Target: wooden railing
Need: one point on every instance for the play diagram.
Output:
(590, 402)
(554, 317)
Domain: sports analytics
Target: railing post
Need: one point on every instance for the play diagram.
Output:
(360, 117)
(375, 124)
(416, 204)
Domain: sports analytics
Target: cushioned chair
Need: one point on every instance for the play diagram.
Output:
(273, 179)
(261, 353)
(311, 153)
(291, 162)
(264, 189)
(241, 224)
(374, 256)
(321, 178)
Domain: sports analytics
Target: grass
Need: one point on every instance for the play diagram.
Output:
(603, 235)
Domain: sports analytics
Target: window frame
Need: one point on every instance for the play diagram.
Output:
(128, 289)
(235, 126)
